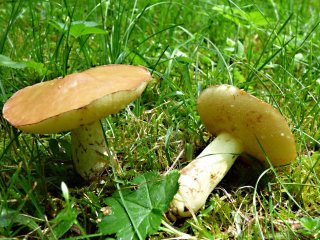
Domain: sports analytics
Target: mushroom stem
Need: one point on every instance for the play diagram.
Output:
(89, 150)
(201, 176)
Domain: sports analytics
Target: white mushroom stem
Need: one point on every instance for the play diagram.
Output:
(89, 150)
(201, 176)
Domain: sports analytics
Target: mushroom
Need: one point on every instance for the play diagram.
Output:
(76, 103)
(242, 124)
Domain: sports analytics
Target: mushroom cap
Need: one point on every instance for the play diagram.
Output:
(67, 103)
(261, 129)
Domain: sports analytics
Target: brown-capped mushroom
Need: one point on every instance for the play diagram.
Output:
(242, 124)
(76, 103)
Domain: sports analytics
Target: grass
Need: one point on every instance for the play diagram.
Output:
(270, 49)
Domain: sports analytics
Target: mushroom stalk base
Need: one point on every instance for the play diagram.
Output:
(201, 176)
(89, 150)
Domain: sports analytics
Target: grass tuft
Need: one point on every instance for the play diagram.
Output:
(270, 49)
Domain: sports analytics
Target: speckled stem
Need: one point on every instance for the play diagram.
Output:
(89, 150)
(201, 176)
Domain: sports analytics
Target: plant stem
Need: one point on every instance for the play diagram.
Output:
(181, 235)
(89, 150)
(202, 175)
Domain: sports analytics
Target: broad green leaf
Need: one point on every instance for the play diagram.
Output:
(38, 67)
(65, 218)
(7, 62)
(239, 77)
(79, 28)
(239, 16)
(63, 222)
(8, 217)
(137, 214)
(257, 18)
(311, 225)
